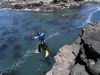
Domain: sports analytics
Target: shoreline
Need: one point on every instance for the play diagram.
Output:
(41, 6)
(44, 5)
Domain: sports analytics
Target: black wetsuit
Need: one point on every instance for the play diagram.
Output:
(42, 44)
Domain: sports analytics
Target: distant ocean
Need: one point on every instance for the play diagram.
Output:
(60, 28)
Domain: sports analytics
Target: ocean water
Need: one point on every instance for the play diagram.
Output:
(60, 28)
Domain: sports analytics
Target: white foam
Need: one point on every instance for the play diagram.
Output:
(88, 20)
(26, 54)
(27, 9)
(37, 9)
(89, 17)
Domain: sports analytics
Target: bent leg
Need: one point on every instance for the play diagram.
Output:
(45, 47)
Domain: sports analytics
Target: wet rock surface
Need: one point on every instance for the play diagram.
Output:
(82, 57)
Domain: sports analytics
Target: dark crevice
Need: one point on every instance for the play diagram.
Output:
(89, 53)
(78, 59)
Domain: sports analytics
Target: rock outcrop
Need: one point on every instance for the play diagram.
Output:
(82, 57)
(41, 5)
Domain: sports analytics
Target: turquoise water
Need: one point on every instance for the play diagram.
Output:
(60, 27)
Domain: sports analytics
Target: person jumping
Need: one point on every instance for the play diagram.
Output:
(42, 44)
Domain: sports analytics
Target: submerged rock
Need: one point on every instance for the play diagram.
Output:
(17, 56)
(36, 28)
(17, 47)
(10, 72)
(82, 57)
(3, 47)
(30, 36)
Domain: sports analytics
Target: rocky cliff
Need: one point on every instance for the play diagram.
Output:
(82, 57)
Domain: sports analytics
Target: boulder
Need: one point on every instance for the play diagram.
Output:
(63, 61)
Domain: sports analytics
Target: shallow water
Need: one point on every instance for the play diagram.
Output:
(61, 27)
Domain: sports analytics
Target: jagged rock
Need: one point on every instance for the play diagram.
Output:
(43, 5)
(63, 60)
(90, 48)
(95, 68)
(5, 4)
(91, 37)
(78, 70)
(82, 57)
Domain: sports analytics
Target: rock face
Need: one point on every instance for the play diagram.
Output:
(82, 57)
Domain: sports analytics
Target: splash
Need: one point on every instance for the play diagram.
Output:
(26, 54)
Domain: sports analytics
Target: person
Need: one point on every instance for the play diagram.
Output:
(42, 44)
